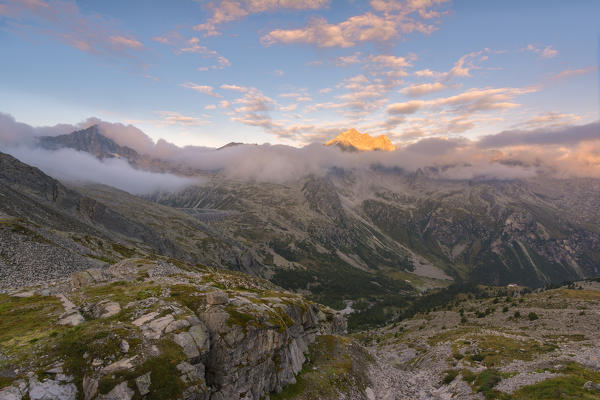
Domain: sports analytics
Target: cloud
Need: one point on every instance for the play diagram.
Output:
(224, 11)
(192, 45)
(73, 166)
(175, 118)
(408, 107)
(64, 21)
(567, 73)
(422, 89)
(550, 119)
(467, 102)
(204, 89)
(546, 52)
(389, 20)
(564, 136)
(234, 87)
(562, 151)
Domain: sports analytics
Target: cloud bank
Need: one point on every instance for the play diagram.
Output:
(68, 165)
(562, 151)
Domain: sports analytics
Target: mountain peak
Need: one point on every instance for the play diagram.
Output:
(90, 140)
(354, 140)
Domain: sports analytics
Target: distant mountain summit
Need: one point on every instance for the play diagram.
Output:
(353, 140)
(91, 141)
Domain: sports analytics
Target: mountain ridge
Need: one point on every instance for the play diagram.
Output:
(353, 140)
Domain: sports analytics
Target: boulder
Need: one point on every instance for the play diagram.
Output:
(90, 387)
(119, 392)
(50, 390)
(143, 383)
(216, 297)
(201, 337)
(187, 343)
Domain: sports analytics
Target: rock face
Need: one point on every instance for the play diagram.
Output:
(190, 333)
(354, 140)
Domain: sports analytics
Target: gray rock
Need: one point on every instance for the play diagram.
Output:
(124, 346)
(589, 385)
(119, 392)
(72, 319)
(201, 337)
(177, 325)
(217, 297)
(145, 318)
(191, 373)
(15, 392)
(90, 387)
(143, 383)
(187, 343)
(124, 364)
(155, 329)
(51, 390)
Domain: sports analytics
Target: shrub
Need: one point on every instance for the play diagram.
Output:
(533, 316)
(517, 314)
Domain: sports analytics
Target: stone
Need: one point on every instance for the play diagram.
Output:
(201, 337)
(191, 373)
(187, 343)
(155, 328)
(370, 394)
(15, 392)
(28, 293)
(589, 385)
(73, 319)
(143, 383)
(51, 390)
(124, 364)
(145, 318)
(124, 346)
(90, 387)
(216, 297)
(107, 309)
(119, 392)
(81, 279)
(177, 325)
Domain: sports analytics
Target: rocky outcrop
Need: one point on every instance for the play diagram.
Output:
(190, 333)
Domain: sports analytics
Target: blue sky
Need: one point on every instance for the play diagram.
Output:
(300, 71)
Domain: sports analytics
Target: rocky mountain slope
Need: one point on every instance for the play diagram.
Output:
(385, 229)
(353, 140)
(48, 230)
(493, 343)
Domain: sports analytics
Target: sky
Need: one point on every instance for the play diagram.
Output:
(295, 72)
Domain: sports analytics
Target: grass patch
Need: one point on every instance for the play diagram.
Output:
(335, 365)
(568, 386)
(496, 350)
(26, 320)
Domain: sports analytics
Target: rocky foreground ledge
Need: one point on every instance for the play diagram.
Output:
(150, 329)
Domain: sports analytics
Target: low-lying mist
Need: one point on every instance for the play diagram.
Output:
(73, 166)
(565, 151)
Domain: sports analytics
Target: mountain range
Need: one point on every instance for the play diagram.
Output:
(375, 234)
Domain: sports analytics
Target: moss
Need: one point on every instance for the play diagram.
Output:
(240, 318)
(484, 382)
(6, 381)
(187, 296)
(450, 376)
(124, 251)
